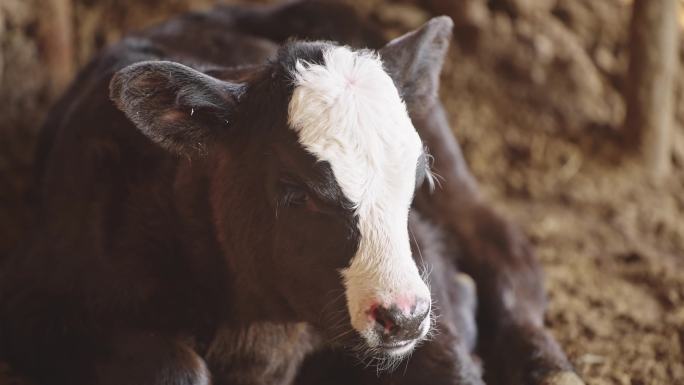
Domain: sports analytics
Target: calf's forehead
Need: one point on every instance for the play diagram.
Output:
(347, 111)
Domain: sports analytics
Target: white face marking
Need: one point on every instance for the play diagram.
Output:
(349, 113)
(202, 373)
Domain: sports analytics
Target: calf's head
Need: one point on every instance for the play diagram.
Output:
(312, 162)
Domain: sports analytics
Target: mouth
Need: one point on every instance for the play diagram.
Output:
(401, 348)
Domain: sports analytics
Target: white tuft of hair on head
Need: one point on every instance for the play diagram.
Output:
(348, 112)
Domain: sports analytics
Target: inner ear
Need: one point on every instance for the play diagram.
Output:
(414, 60)
(178, 107)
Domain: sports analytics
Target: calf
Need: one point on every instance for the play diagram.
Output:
(219, 204)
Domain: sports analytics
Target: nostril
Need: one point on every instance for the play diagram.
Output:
(394, 325)
(384, 318)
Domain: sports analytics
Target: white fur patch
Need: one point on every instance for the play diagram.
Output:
(349, 113)
(202, 374)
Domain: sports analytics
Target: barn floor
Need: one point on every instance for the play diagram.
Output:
(537, 107)
(534, 94)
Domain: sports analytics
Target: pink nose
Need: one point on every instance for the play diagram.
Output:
(400, 321)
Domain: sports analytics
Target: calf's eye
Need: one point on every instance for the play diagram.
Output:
(294, 196)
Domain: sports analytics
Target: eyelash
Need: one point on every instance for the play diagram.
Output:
(293, 196)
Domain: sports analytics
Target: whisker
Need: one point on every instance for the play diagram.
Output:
(438, 179)
(331, 302)
(420, 253)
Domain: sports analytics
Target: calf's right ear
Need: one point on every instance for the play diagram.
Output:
(176, 106)
(415, 60)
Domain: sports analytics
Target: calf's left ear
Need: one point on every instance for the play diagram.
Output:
(414, 60)
(176, 106)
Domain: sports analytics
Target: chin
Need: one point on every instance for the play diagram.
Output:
(387, 356)
(399, 350)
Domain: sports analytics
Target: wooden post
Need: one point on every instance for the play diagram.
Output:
(56, 42)
(650, 91)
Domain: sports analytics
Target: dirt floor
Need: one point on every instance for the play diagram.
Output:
(535, 107)
(534, 89)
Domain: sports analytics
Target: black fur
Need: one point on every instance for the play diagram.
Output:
(187, 229)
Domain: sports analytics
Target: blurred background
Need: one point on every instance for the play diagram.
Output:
(570, 114)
